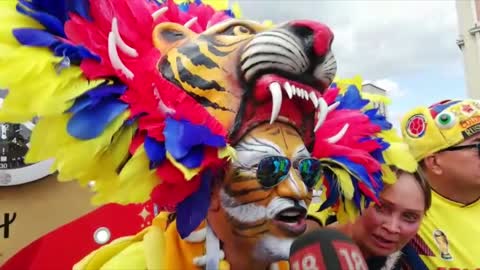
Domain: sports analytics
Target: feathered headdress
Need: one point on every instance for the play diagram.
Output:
(360, 148)
(87, 69)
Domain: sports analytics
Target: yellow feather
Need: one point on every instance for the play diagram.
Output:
(227, 152)
(237, 11)
(217, 4)
(388, 176)
(30, 72)
(345, 181)
(47, 138)
(134, 183)
(187, 173)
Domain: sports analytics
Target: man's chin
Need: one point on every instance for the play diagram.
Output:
(273, 249)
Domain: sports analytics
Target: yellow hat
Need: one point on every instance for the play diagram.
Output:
(444, 124)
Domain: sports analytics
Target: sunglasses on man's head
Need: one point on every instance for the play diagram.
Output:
(271, 171)
(462, 147)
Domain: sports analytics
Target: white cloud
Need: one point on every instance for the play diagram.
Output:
(377, 39)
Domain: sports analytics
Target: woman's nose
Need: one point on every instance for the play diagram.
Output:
(392, 224)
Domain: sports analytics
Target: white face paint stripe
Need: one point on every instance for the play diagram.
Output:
(293, 184)
(250, 213)
(251, 150)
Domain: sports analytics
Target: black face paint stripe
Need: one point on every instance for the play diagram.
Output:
(192, 51)
(166, 70)
(195, 80)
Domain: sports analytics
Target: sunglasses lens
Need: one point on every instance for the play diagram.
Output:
(272, 170)
(310, 170)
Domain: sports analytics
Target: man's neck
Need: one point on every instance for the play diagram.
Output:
(455, 193)
(241, 258)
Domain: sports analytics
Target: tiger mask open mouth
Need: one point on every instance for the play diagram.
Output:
(245, 74)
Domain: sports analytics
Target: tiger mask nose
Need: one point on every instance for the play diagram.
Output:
(300, 49)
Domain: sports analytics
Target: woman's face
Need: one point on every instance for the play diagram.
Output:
(386, 228)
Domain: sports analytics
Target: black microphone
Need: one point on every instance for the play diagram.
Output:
(326, 249)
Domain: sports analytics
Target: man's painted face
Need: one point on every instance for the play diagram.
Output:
(268, 187)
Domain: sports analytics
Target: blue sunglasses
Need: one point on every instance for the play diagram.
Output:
(271, 171)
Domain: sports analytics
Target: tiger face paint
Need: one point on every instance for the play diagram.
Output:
(265, 220)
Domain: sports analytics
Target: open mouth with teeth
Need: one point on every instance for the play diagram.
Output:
(292, 220)
(276, 98)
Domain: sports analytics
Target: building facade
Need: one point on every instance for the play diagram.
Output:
(468, 14)
(373, 89)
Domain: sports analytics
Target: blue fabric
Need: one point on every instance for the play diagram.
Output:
(412, 259)
(193, 210)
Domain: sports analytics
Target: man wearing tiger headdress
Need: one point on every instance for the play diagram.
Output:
(227, 125)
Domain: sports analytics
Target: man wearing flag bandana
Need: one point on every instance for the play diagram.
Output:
(226, 125)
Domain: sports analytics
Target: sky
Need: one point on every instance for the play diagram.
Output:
(406, 47)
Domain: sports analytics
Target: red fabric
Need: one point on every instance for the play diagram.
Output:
(65, 246)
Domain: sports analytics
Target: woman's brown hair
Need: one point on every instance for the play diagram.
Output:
(422, 181)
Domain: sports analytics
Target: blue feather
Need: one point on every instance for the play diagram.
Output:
(357, 170)
(229, 13)
(184, 7)
(194, 158)
(75, 53)
(96, 95)
(80, 7)
(351, 99)
(51, 23)
(55, 8)
(53, 14)
(90, 122)
(334, 195)
(106, 90)
(378, 119)
(377, 176)
(182, 136)
(378, 155)
(155, 151)
(34, 37)
(356, 195)
(80, 104)
(193, 210)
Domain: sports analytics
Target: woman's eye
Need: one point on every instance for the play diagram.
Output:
(411, 218)
(379, 208)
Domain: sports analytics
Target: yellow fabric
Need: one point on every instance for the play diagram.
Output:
(435, 137)
(153, 248)
(460, 225)
(319, 216)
